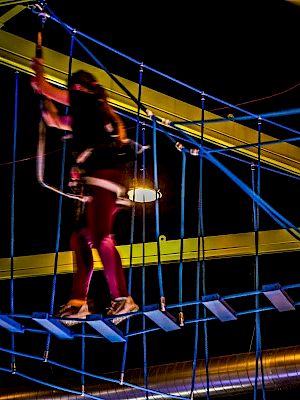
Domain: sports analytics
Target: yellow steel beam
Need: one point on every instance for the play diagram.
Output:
(17, 52)
(216, 247)
(10, 14)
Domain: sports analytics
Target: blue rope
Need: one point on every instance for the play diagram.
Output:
(202, 235)
(59, 216)
(133, 214)
(12, 217)
(145, 367)
(51, 385)
(157, 226)
(183, 174)
(200, 263)
(223, 151)
(246, 118)
(82, 358)
(89, 374)
(258, 352)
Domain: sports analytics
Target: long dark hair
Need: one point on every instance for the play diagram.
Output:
(88, 80)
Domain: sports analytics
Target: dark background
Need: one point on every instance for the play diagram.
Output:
(240, 52)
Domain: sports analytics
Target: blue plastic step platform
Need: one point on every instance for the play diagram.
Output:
(278, 297)
(10, 324)
(219, 307)
(107, 329)
(52, 325)
(163, 319)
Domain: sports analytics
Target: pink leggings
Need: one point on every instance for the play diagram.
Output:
(97, 233)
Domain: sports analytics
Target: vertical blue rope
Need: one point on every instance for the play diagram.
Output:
(201, 233)
(200, 257)
(157, 226)
(133, 214)
(258, 353)
(183, 176)
(145, 368)
(82, 358)
(59, 216)
(137, 134)
(12, 217)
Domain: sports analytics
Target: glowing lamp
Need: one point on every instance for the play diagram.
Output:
(143, 195)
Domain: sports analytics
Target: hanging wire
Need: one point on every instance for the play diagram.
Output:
(59, 215)
(202, 236)
(157, 225)
(258, 353)
(82, 359)
(200, 257)
(145, 365)
(12, 216)
(182, 233)
(133, 215)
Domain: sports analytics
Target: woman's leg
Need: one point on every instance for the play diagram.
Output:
(100, 218)
(83, 266)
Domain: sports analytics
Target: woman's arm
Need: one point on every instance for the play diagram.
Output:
(53, 119)
(58, 121)
(43, 87)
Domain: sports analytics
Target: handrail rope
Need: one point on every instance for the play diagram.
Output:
(155, 329)
(99, 377)
(248, 117)
(12, 218)
(53, 386)
(190, 139)
(195, 302)
(100, 64)
(221, 151)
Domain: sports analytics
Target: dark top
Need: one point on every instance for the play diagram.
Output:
(92, 129)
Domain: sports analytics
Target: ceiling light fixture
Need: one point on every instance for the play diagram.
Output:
(142, 194)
